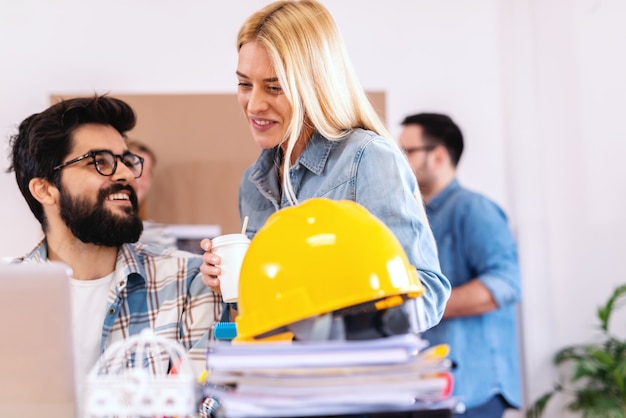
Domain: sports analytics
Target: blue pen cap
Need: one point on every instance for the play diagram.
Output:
(225, 331)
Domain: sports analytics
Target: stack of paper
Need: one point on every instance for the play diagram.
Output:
(313, 378)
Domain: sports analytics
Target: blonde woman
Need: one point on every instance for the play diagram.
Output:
(320, 137)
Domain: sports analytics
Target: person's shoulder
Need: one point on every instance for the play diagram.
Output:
(476, 196)
(170, 263)
(156, 253)
(463, 193)
(364, 137)
(161, 266)
(249, 169)
(39, 254)
(471, 200)
(364, 142)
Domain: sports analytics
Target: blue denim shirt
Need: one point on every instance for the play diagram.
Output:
(367, 169)
(474, 241)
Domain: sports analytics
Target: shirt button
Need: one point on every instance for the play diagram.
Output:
(269, 192)
(111, 311)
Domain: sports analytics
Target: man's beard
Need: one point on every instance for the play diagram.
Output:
(95, 224)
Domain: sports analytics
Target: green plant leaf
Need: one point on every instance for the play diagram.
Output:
(537, 408)
(585, 368)
(596, 374)
(573, 353)
(603, 357)
(595, 400)
(604, 312)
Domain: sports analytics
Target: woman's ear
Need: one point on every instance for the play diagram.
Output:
(42, 190)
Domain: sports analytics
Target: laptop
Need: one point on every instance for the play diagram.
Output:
(36, 364)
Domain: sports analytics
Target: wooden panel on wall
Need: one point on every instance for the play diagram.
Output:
(203, 145)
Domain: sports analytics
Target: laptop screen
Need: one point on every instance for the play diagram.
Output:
(36, 362)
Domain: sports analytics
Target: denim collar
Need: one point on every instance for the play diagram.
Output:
(437, 201)
(314, 156)
(316, 153)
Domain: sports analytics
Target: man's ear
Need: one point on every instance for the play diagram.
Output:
(441, 155)
(42, 190)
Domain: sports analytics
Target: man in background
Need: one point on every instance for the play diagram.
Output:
(478, 254)
(154, 233)
(79, 179)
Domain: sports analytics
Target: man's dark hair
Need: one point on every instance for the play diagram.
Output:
(45, 139)
(439, 129)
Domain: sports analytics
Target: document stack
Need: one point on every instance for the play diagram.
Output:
(399, 373)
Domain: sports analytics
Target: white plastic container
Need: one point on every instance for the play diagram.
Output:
(231, 248)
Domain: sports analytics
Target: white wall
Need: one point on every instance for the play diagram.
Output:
(536, 85)
(563, 98)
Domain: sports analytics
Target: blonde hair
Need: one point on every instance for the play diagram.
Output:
(314, 71)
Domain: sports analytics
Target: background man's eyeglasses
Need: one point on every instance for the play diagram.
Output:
(426, 148)
(106, 162)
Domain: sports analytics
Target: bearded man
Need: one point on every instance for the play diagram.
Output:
(78, 177)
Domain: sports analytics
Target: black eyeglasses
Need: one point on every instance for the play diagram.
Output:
(426, 148)
(106, 162)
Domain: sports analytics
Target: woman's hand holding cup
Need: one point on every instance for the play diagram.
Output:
(210, 266)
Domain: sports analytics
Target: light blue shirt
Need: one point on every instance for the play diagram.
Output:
(475, 241)
(367, 169)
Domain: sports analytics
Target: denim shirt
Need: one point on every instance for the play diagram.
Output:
(365, 168)
(475, 241)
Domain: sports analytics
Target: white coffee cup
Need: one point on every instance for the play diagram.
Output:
(231, 248)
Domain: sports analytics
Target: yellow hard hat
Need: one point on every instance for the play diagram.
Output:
(319, 257)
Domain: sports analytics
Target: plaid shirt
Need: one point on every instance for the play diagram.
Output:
(159, 290)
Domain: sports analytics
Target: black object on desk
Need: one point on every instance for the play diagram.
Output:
(424, 413)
